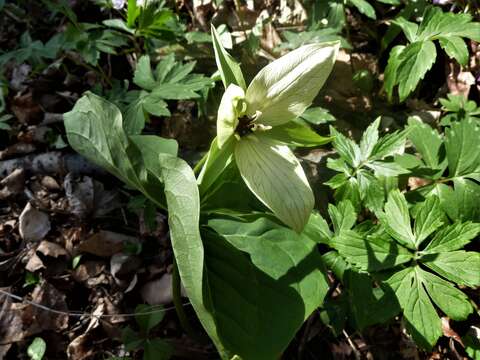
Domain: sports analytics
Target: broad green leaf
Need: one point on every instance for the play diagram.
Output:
(282, 90)
(455, 48)
(343, 216)
(463, 148)
(364, 7)
(143, 75)
(230, 71)
(296, 134)
(423, 322)
(36, 350)
(461, 267)
(152, 145)
(463, 202)
(152, 317)
(256, 271)
(452, 301)
(426, 140)
(392, 69)
(429, 218)
(413, 63)
(350, 191)
(346, 148)
(453, 237)
(135, 117)
(95, 130)
(371, 253)
(275, 176)
(369, 139)
(396, 219)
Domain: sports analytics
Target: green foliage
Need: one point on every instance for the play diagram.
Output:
(147, 317)
(408, 64)
(170, 80)
(363, 167)
(457, 107)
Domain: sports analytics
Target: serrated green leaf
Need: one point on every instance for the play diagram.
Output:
(409, 28)
(230, 71)
(392, 69)
(343, 216)
(369, 139)
(143, 75)
(423, 322)
(275, 176)
(449, 299)
(463, 148)
(317, 229)
(389, 145)
(453, 237)
(386, 168)
(372, 253)
(256, 271)
(429, 218)
(455, 48)
(346, 148)
(461, 267)
(146, 322)
(414, 62)
(426, 140)
(396, 219)
(317, 116)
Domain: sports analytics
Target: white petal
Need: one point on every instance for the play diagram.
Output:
(275, 176)
(283, 89)
(230, 109)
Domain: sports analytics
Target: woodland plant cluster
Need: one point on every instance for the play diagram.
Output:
(335, 188)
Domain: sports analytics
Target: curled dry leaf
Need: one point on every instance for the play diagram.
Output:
(13, 184)
(33, 224)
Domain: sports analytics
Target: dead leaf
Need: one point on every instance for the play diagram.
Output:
(449, 332)
(123, 268)
(33, 224)
(26, 109)
(105, 243)
(19, 148)
(13, 184)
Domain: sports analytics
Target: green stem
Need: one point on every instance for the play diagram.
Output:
(199, 165)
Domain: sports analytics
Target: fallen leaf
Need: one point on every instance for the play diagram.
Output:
(13, 184)
(33, 224)
(105, 243)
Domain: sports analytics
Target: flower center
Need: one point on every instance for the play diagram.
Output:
(245, 126)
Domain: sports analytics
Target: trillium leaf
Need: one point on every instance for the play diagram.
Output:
(230, 71)
(228, 113)
(282, 90)
(275, 176)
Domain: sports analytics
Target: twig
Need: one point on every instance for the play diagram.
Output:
(80, 314)
(358, 356)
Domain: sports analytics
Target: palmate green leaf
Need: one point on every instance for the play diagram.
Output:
(455, 48)
(396, 219)
(423, 322)
(283, 89)
(296, 134)
(463, 201)
(463, 148)
(409, 28)
(453, 237)
(428, 219)
(413, 63)
(389, 145)
(386, 168)
(371, 253)
(256, 271)
(275, 176)
(461, 267)
(317, 229)
(230, 71)
(426, 140)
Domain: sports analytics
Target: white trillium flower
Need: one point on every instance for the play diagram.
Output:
(279, 93)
